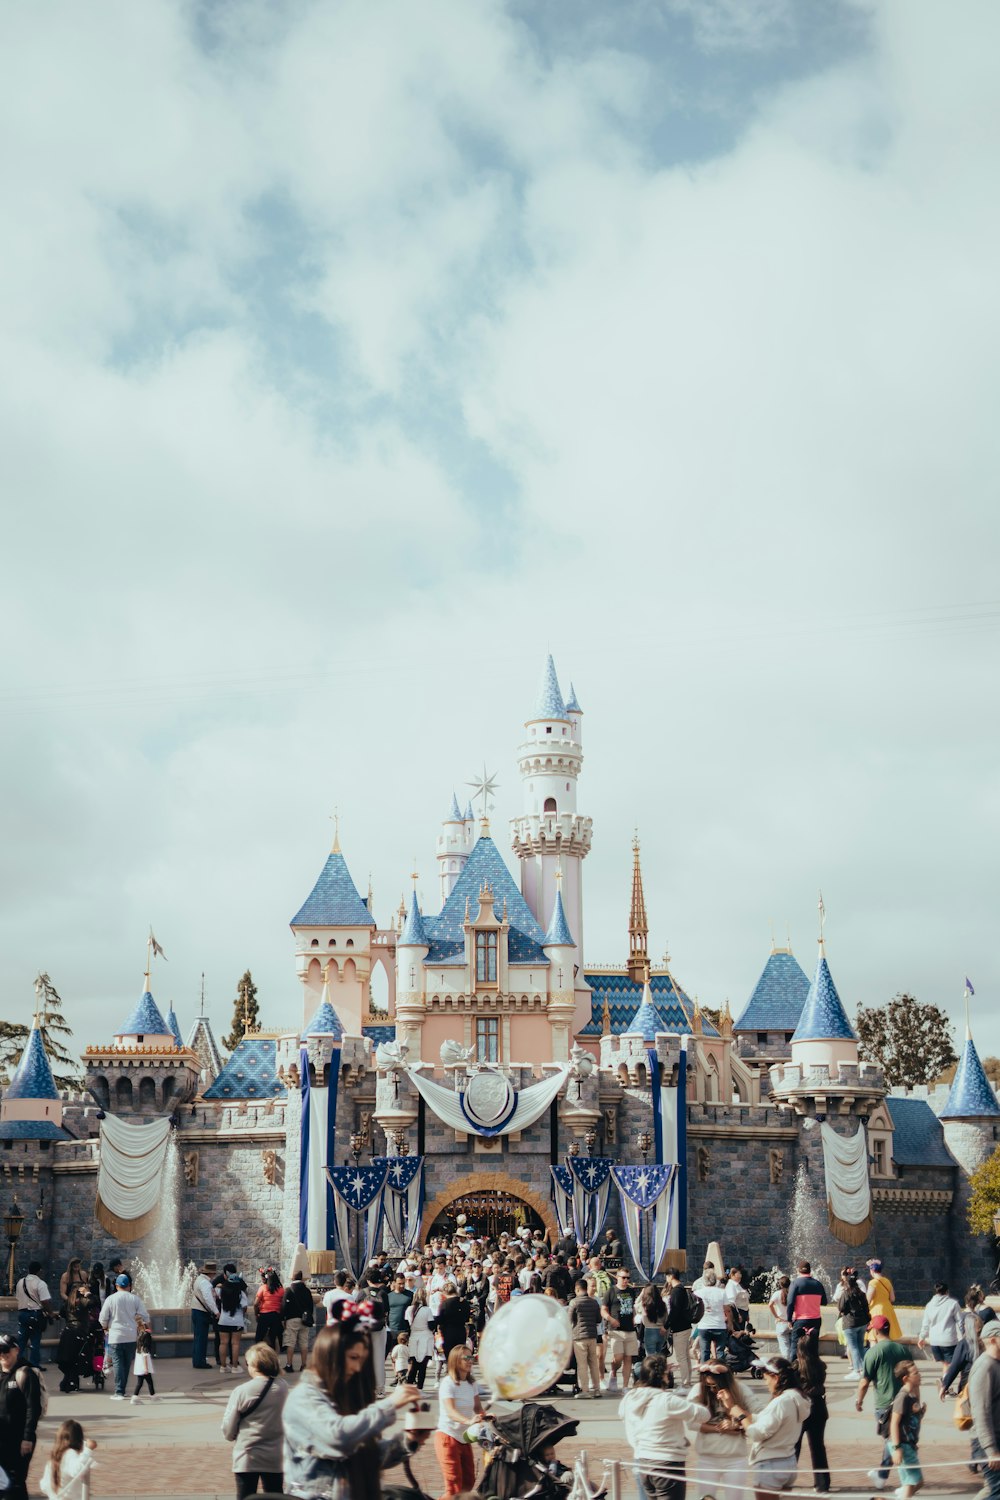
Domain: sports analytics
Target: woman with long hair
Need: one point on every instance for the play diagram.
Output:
(458, 1406)
(854, 1319)
(652, 1309)
(333, 1444)
(418, 1315)
(812, 1380)
(67, 1472)
(719, 1444)
(655, 1418)
(72, 1278)
(778, 1308)
(267, 1305)
(775, 1430)
(882, 1298)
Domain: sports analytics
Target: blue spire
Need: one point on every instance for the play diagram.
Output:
(572, 706)
(144, 1018)
(455, 813)
(325, 1022)
(413, 934)
(647, 1021)
(550, 703)
(970, 1093)
(33, 1077)
(334, 900)
(174, 1027)
(468, 812)
(823, 1016)
(558, 935)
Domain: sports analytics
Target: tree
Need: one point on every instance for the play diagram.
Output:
(910, 1041)
(245, 1012)
(55, 1029)
(12, 1039)
(991, 1067)
(985, 1199)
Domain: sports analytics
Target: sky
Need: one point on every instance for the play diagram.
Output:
(356, 355)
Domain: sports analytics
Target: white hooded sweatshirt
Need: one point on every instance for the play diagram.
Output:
(774, 1431)
(941, 1320)
(654, 1422)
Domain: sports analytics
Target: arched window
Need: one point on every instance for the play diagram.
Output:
(147, 1093)
(169, 1088)
(123, 1093)
(314, 943)
(350, 942)
(486, 957)
(100, 1087)
(332, 943)
(550, 805)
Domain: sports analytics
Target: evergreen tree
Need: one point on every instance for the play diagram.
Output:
(13, 1036)
(55, 1031)
(245, 1012)
(910, 1040)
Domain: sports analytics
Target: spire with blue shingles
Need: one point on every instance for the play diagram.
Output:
(33, 1076)
(970, 1094)
(454, 812)
(333, 900)
(778, 998)
(823, 1017)
(413, 934)
(250, 1073)
(572, 706)
(550, 703)
(558, 935)
(325, 1022)
(467, 817)
(144, 1019)
(647, 1021)
(446, 932)
(174, 1027)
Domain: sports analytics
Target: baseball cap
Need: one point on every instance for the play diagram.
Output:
(880, 1323)
(7, 1343)
(121, 1280)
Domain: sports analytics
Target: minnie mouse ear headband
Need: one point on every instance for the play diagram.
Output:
(353, 1314)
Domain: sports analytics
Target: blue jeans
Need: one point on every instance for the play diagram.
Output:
(856, 1348)
(709, 1336)
(30, 1338)
(200, 1325)
(654, 1340)
(798, 1329)
(885, 1467)
(122, 1356)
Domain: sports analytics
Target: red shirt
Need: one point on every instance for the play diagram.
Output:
(269, 1302)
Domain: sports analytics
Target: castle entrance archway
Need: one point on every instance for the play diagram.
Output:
(492, 1202)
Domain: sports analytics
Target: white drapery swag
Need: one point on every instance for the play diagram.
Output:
(848, 1192)
(532, 1103)
(130, 1176)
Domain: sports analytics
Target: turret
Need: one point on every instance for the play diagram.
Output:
(971, 1123)
(145, 1069)
(824, 1035)
(333, 931)
(454, 846)
(31, 1108)
(638, 924)
(559, 950)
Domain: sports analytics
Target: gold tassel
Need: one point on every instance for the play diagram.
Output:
(126, 1230)
(322, 1262)
(849, 1234)
(675, 1260)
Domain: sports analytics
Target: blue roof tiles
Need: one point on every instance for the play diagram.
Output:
(970, 1094)
(325, 1022)
(32, 1130)
(173, 1026)
(144, 1019)
(250, 1073)
(549, 704)
(454, 812)
(446, 931)
(558, 935)
(413, 934)
(379, 1034)
(778, 997)
(334, 900)
(467, 817)
(33, 1076)
(572, 706)
(823, 1016)
(917, 1136)
(624, 996)
(647, 1020)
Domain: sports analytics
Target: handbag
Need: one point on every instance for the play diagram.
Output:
(962, 1415)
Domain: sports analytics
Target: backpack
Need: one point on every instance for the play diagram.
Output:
(43, 1395)
(696, 1308)
(856, 1305)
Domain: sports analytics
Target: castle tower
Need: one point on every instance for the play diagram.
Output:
(32, 1109)
(454, 846)
(824, 1036)
(412, 948)
(550, 835)
(559, 950)
(971, 1122)
(334, 928)
(144, 1070)
(638, 925)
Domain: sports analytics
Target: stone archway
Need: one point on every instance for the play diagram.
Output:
(485, 1182)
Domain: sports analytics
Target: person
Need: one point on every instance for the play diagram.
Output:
(421, 1339)
(941, 1326)
(66, 1475)
(968, 1349)
(74, 1276)
(774, 1431)
(144, 1367)
(458, 1406)
(619, 1316)
(341, 1291)
(678, 1323)
(333, 1446)
(585, 1317)
(233, 1304)
(204, 1314)
(904, 1429)
(812, 1382)
(298, 1313)
(400, 1356)
(611, 1250)
(267, 1304)
(20, 1411)
(738, 1298)
(34, 1306)
(716, 1321)
(778, 1308)
(115, 1268)
(655, 1417)
(122, 1317)
(398, 1300)
(96, 1284)
(882, 1298)
(558, 1277)
(806, 1298)
(879, 1369)
(452, 1318)
(253, 1423)
(719, 1444)
(854, 1319)
(654, 1311)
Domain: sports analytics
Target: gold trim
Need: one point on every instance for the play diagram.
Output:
(125, 1230)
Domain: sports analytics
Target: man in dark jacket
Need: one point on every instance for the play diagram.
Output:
(585, 1320)
(298, 1313)
(806, 1299)
(559, 1278)
(678, 1320)
(20, 1410)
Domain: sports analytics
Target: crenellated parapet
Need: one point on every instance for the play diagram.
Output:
(827, 1087)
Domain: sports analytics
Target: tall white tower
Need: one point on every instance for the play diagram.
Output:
(550, 834)
(454, 846)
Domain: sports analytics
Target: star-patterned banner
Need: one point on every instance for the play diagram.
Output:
(643, 1186)
(591, 1187)
(402, 1200)
(357, 1190)
(647, 1197)
(562, 1197)
(359, 1186)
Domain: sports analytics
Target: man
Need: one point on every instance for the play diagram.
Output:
(566, 1245)
(342, 1290)
(619, 1315)
(20, 1410)
(585, 1318)
(558, 1278)
(299, 1314)
(204, 1311)
(115, 1268)
(611, 1250)
(398, 1300)
(678, 1320)
(879, 1368)
(34, 1304)
(984, 1401)
(122, 1317)
(806, 1298)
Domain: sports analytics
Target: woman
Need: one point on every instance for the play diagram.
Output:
(775, 1430)
(778, 1308)
(737, 1299)
(652, 1309)
(968, 1348)
(716, 1321)
(418, 1315)
(854, 1319)
(72, 1279)
(333, 1449)
(881, 1298)
(253, 1424)
(655, 1417)
(452, 1319)
(232, 1320)
(267, 1306)
(458, 1406)
(67, 1474)
(812, 1380)
(940, 1326)
(719, 1444)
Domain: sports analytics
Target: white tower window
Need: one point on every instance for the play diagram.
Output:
(548, 729)
(550, 804)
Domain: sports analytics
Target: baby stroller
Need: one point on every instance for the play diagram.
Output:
(742, 1353)
(94, 1357)
(514, 1464)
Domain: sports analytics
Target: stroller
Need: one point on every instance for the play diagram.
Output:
(742, 1353)
(514, 1465)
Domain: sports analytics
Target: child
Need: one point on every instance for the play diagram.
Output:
(904, 1429)
(67, 1473)
(400, 1356)
(144, 1366)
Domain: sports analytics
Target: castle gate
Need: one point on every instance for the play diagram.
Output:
(492, 1203)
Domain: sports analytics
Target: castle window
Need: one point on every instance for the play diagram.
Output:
(350, 942)
(789, 1035)
(314, 943)
(487, 1039)
(550, 804)
(332, 943)
(880, 1156)
(486, 957)
(548, 729)
(762, 1039)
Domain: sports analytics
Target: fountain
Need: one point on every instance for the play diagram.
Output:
(808, 1229)
(160, 1279)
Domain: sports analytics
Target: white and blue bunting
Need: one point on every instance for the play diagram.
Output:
(358, 1186)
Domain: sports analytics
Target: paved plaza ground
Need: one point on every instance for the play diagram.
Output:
(174, 1447)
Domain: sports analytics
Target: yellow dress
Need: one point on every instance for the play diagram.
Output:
(880, 1302)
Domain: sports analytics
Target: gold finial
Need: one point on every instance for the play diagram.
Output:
(727, 1014)
(335, 816)
(505, 911)
(774, 944)
(696, 1017)
(788, 935)
(414, 873)
(466, 908)
(606, 1018)
(559, 873)
(822, 918)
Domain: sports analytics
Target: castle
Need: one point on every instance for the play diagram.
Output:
(486, 999)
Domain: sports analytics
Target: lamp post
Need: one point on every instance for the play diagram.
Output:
(399, 1142)
(13, 1222)
(645, 1143)
(591, 1140)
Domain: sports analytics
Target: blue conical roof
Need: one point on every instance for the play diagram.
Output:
(446, 931)
(779, 996)
(550, 703)
(144, 1019)
(558, 934)
(823, 1016)
(647, 1020)
(413, 934)
(333, 900)
(173, 1026)
(572, 706)
(33, 1076)
(467, 817)
(325, 1022)
(454, 812)
(970, 1093)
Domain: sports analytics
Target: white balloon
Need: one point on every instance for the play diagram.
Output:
(525, 1346)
